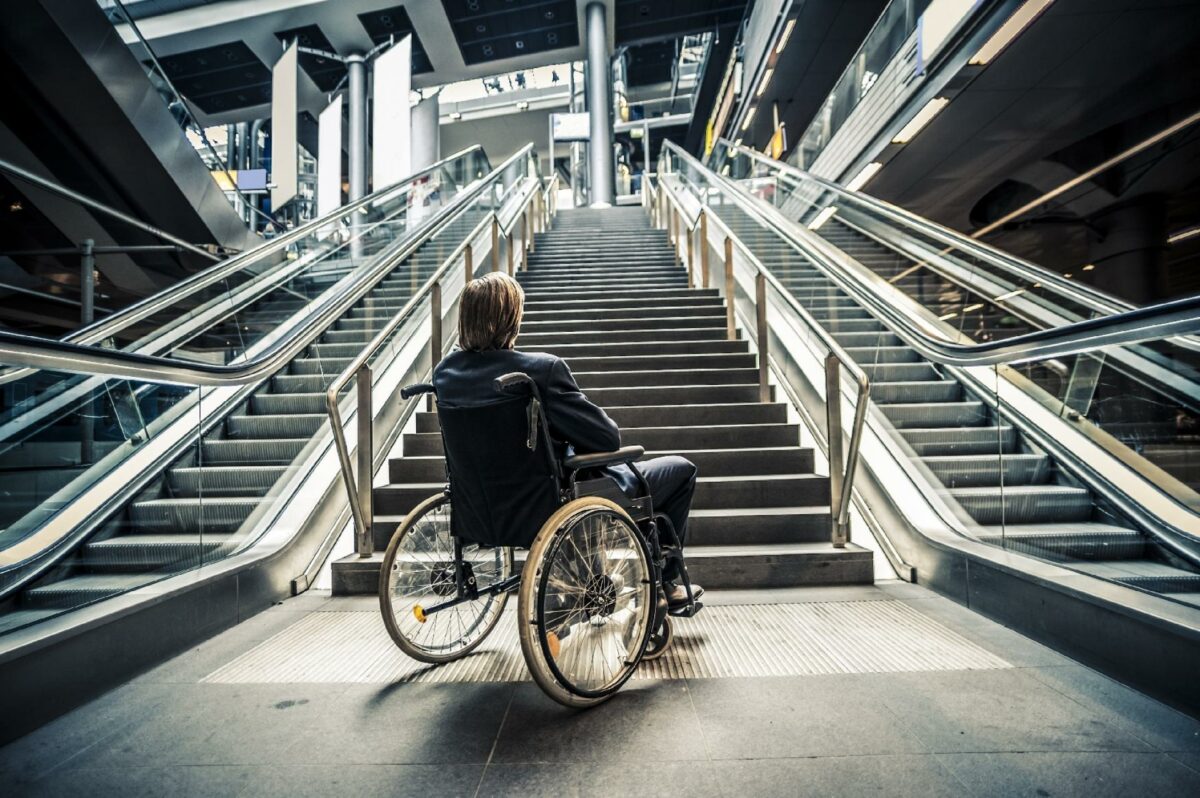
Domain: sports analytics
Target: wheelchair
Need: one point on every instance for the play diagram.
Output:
(590, 599)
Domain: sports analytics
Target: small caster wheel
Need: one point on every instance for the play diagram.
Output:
(659, 641)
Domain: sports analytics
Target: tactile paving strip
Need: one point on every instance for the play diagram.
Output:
(720, 642)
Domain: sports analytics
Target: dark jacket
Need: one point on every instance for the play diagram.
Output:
(465, 380)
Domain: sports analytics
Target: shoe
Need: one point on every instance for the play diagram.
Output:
(677, 594)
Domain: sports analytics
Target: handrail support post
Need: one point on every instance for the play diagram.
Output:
(704, 274)
(833, 435)
(366, 459)
(495, 244)
(760, 309)
(730, 323)
(469, 263)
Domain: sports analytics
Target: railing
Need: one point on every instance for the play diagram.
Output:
(115, 480)
(1160, 506)
(323, 228)
(533, 212)
(670, 212)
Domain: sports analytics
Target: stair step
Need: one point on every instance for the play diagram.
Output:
(937, 441)
(621, 379)
(678, 415)
(1086, 541)
(780, 565)
(140, 553)
(986, 470)
(1025, 504)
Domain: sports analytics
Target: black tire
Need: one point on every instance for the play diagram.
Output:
(586, 602)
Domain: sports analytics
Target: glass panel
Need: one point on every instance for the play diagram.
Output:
(231, 451)
(1052, 478)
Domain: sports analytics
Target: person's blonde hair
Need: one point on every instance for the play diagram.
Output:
(489, 313)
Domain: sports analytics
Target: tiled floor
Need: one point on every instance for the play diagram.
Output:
(1044, 726)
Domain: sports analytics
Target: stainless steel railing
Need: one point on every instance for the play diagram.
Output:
(532, 215)
(668, 209)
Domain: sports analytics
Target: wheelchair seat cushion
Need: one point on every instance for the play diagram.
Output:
(501, 491)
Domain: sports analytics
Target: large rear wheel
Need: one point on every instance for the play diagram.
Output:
(585, 603)
(419, 572)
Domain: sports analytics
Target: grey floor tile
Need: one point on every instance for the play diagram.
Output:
(645, 722)
(999, 710)
(367, 781)
(218, 724)
(601, 779)
(65, 740)
(150, 782)
(843, 776)
(794, 595)
(1159, 725)
(798, 717)
(1095, 775)
(1191, 760)
(405, 724)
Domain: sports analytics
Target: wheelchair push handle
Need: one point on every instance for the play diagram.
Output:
(508, 383)
(409, 391)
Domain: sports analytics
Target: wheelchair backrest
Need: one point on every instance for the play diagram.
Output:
(501, 489)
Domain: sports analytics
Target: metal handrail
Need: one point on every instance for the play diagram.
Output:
(73, 358)
(1078, 292)
(359, 489)
(110, 325)
(1147, 323)
(82, 199)
(836, 358)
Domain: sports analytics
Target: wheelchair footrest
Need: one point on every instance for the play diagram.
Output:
(687, 610)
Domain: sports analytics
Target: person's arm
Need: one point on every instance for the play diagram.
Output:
(573, 418)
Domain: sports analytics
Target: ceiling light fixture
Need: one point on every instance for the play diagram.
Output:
(1089, 267)
(765, 80)
(860, 179)
(970, 308)
(1009, 295)
(787, 32)
(822, 217)
(1011, 28)
(923, 118)
(1183, 235)
(749, 118)
(948, 316)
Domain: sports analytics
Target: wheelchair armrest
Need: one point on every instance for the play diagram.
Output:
(626, 454)
(409, 391)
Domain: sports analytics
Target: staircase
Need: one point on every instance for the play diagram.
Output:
(604, 291)
(1018, 495)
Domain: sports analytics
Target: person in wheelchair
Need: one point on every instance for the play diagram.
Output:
(490, 312)
(532, 465)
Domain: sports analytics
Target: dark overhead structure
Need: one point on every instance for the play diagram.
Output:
(648, 64)
(492, 30)
(654, 20)
(388, 23)
(221, 77)
(327, 73)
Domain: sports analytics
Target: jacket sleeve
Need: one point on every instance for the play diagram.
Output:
(573, 418)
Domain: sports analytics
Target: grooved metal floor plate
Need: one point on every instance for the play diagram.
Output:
(720, 642)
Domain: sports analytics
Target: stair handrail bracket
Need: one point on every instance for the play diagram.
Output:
(843, 461)
(526, 211)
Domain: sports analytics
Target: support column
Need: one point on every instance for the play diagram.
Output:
(599, 100)
(356, 66)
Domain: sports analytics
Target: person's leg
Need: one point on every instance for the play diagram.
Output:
(672, 482)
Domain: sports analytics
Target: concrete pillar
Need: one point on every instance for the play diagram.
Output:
(356, 66)
(599, 100)
(1130, 253)
(426, 135)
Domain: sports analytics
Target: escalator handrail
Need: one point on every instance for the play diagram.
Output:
(1148, 323)
(65, 356)
(1080, 293)
(153, 304)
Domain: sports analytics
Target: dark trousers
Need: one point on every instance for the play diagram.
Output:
(672, 482)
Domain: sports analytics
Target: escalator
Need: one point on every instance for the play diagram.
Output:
(969, 433)
(133, 481)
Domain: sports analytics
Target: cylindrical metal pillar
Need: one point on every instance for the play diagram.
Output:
(356, 66)
(599, 83)
(87, 283)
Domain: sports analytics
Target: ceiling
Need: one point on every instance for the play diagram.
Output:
(219, 54)
(1074, 89)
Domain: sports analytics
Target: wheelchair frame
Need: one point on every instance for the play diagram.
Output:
(654, 532)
